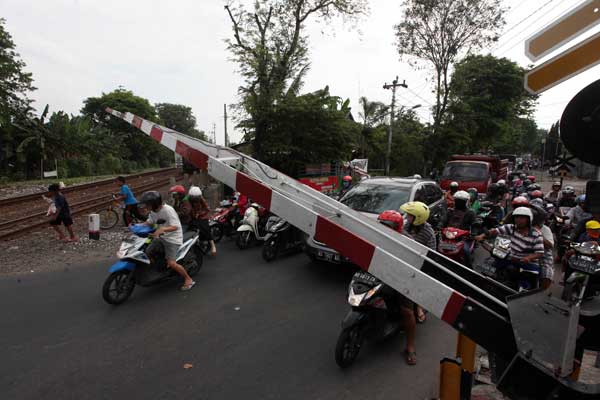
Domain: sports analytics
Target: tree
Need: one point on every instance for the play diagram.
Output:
(270, 48)
(372, 113)
(15, 85)
(180, 118)
(136, 147)
(488, 106)
(308, 129)
(441, 31)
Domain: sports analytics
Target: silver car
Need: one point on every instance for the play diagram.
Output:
(375, 195)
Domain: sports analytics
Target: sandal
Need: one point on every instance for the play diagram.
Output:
(411, 357)
(421, 316)
(185, 288)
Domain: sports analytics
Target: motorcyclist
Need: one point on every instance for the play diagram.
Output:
(168, 237)
(495, 195)
(554, 195)
(126, 195)
(592, 232)
(199, 216)
(519, 201)
(449, 195)
(526, 245)
(417, 228)
(346, 186)
(540, 216)
(474, 201)
(531, 178)
(536, 194)
(461, 216)
(567, 198)
(177, 195)
(578, 213)
(394, 220)
(504, 193)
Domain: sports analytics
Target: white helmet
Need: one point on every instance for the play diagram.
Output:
(462, 195)
(501, 182)
(454, 184)
(417, 176)
(195, 191)
(523, 212)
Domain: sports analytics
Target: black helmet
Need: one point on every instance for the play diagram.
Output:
(152, 199)
(534, 186)
(493, 188)
(526, 182)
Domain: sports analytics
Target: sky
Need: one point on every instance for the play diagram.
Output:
(174, 51)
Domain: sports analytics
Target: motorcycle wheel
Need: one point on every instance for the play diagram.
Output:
(108, 218)
(348, 345)
(116, 289)
(269, 251)
(192, 262)
(216, 232)
(243, 240)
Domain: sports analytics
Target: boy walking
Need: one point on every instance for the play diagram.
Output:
(62, 214)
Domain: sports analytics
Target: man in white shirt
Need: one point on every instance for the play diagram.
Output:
(169, 232)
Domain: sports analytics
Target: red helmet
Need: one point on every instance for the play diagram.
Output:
(537, 194)
(531, 178)
(520, 201)
(347, 178)
(392, 219)
(177, 189)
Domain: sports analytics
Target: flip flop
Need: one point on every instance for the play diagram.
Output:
(421, 317)
(411, 357)
(185, 288)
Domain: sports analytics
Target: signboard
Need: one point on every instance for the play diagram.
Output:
(564, 29)
(564, 66)
(322, 184)
(51, 174)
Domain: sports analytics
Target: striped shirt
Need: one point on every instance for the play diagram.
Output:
(424, 235)
(522, 245)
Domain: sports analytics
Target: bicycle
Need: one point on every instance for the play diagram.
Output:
(109, 217)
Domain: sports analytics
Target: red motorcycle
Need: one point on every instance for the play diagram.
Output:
(452, 244)
(225, 220)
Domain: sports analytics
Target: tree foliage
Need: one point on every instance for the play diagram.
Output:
(441, 31)
(312, 128)
(179, 118)
(134, 145)
(270, 48)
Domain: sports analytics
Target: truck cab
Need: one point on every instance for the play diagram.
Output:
(473, 171)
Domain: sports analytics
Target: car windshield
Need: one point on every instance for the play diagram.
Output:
(376, 198)
(465, 171)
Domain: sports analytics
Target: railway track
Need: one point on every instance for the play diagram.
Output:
(94, 199)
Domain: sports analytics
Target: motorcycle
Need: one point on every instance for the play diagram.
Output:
(252, 227)
(372, 315)
(452, 244)
(282, 237)
(582, 273)
(514, 274)
(135, 268)
(562, 229)
(225, 220)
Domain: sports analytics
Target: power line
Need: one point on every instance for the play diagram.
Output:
(418, 96)
(499, 46)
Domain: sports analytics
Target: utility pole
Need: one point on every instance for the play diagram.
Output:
(393, 86)
(225, 124)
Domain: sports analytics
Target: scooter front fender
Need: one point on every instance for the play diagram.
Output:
(120, 265)
(245, 228)
(355, 318)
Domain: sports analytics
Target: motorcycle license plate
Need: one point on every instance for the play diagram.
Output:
(448, 246)
(500, 253)
(583, 265)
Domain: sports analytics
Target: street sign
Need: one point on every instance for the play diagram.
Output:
(580, 124)
(571, 62)
(564, 29)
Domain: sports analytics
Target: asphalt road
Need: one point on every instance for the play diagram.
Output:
(250, 329)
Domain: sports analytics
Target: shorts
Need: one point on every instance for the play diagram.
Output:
(161, 248)
(66, 221)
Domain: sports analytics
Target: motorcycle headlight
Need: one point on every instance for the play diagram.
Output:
(450, 235)
(355, 299)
